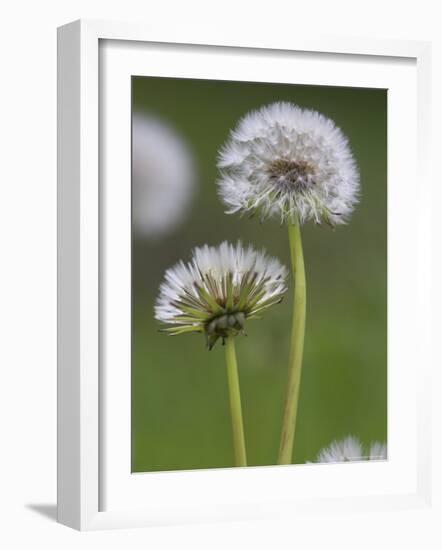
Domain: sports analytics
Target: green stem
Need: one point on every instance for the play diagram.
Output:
(296, 345)
(235, 404)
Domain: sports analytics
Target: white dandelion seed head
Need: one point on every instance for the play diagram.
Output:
(218, 290)
(377, 451)
(285, 161)
(351, 449)
(163, 177)
(345, 450)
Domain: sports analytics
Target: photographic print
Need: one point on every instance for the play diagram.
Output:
(259, 274)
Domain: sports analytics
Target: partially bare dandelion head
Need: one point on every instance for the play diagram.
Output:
(219, 290)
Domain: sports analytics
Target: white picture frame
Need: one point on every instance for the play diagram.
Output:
(96, 491)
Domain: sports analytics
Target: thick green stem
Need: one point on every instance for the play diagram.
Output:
(235, 404)
(296, 345)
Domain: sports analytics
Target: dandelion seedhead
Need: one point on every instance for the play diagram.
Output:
(163, 177)
(288, 162)
(351, 449)
(219, 290)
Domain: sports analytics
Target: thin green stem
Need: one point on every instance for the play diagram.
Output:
(296, 345)
(235, 403)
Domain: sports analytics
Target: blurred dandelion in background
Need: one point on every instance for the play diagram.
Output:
(163, 177)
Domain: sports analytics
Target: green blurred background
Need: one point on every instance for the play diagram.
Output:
(180, 413)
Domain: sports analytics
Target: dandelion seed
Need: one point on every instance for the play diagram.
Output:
(288, 162)
(219, 290)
